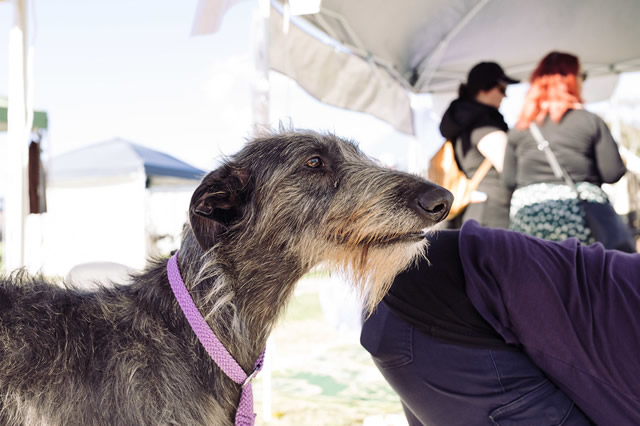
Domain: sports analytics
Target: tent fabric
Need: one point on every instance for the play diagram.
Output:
(337, 77)
(393, 49)
(209, 15)
(118, 157)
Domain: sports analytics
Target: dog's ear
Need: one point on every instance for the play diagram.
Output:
(216, 203)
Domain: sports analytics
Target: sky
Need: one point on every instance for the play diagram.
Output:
(131, 69)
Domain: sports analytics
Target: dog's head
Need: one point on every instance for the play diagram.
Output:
(317, 198)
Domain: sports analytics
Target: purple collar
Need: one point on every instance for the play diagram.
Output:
(216, 350)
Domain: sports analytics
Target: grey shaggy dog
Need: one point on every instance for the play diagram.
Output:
(125, 355)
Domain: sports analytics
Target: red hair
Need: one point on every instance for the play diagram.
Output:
(554, 89)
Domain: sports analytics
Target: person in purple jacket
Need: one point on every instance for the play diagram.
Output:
(502, 328)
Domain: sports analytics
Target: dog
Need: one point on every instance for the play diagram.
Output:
(127, 355)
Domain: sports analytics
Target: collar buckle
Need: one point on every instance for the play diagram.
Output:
(251, 376)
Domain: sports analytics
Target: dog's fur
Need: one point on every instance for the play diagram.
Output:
(126, 355)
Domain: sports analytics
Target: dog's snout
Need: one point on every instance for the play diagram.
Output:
(435, 203)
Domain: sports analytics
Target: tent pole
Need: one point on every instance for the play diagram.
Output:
(260, 48)
(18, 131)
(260, 101)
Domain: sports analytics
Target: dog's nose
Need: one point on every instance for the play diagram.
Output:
(435, 203)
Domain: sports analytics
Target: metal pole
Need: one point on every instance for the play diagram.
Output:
(18, 132)
(260, 101)
(260, 48)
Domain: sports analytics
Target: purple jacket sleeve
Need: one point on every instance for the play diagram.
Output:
(574, 309)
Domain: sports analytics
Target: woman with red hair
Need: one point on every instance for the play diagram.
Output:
(542, 204)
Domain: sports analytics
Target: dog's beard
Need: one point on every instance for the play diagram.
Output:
(372, 269)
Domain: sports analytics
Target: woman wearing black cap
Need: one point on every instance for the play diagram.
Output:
(478, 131)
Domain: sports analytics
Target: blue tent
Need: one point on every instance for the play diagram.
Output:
(118, 157)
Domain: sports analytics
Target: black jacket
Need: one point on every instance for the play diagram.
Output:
(463, 116)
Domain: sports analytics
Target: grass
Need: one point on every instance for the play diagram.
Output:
(304, 307)
(318, 374)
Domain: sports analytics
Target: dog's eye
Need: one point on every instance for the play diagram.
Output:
(314, 162)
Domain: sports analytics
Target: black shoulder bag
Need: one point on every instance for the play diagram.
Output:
(606, 225)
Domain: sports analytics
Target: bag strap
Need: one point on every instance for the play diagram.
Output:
(480, 173)
(558, 170)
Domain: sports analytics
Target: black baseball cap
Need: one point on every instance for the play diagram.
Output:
(486, 75)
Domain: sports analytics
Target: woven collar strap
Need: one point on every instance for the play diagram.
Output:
(216, 350)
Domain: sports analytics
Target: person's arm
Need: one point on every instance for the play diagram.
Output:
(492, 146)
(608, 160)
(573, 308)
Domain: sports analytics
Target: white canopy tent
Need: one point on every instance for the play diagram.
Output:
(370, 56)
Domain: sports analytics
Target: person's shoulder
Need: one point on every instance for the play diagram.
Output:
(479, 133)
(588, 121)
(581, 112)
(485, 130)
(487, 242)
(515, 134)
(584, 116)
